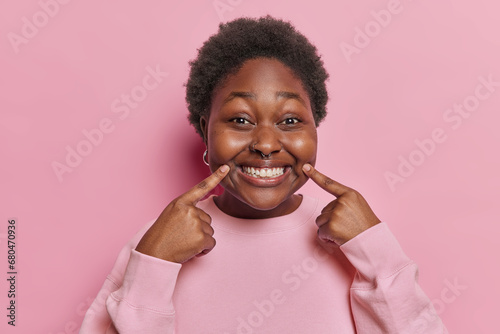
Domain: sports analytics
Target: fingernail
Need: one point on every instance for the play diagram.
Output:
(224, 168)
(306, 167)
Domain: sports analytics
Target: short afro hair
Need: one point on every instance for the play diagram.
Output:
(243, 39)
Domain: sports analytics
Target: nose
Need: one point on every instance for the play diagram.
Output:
(266, 141)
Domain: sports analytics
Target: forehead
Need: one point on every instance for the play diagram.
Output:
(260, 76)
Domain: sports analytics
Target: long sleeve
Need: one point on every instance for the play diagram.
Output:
(135, 298)
(371, 289)
(385, 295)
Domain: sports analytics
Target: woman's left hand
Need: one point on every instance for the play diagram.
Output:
(346, 216)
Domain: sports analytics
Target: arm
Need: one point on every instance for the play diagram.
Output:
(385, 295)
(137, 295)
(135, 298)
(143, 303)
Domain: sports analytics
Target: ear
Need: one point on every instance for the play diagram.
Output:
(204, 128)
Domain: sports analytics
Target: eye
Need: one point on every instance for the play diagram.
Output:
(240, 120)
(290, 121)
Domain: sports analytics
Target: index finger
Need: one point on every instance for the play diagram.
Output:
(200, 190)
(333, 187)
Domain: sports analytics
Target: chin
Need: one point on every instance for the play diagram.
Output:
(263, 206)
(264, 200)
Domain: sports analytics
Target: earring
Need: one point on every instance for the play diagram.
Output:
(205, 158)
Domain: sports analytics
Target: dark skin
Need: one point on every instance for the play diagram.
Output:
(260, 118)
(262, 110)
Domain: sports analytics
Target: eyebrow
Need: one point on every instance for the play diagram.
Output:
(248, 95)
(233, 95)
(290, 95)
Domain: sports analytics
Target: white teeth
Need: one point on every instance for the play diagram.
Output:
(264, 172)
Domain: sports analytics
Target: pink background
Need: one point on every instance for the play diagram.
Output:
(62, 76)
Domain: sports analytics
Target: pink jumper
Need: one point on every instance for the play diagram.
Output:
(267, 276)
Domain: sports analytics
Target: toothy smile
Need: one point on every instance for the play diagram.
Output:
(263, 172)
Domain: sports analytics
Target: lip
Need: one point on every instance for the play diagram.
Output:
(264, 182)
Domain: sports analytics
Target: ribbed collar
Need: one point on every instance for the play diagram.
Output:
(222, 221)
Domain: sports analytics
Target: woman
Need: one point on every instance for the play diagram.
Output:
(283, 263)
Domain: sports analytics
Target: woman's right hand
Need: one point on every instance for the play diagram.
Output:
(182, 230)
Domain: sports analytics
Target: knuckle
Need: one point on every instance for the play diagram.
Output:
(325, 232)
(316, 176)
(175, 202)
(319, 221)
(333, 229)
(351, 194)
(180, 201)
(196, 222)
(206, 244)
(327, 181)
(345, 198)
(198, 237)
(352, 191)
(192, 216)
(212, 242)
(218, 174)
(174, 206)
(203, 185)
(335, 216)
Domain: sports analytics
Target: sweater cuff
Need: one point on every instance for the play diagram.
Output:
(149, 283)
(375, 253)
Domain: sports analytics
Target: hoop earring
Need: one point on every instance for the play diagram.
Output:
(205, 158)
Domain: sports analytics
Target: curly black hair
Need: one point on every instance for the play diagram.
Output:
(246, 38)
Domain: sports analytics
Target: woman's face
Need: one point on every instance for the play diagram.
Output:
(263, 109)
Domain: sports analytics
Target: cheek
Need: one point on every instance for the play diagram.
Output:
(305, 147)
(223, 146)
